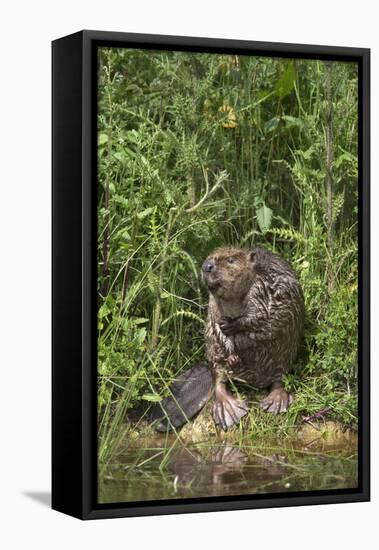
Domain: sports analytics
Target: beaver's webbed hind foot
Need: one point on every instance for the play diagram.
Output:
(227, 410)
(277, 401)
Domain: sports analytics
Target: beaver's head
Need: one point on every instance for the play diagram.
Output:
(228, 272)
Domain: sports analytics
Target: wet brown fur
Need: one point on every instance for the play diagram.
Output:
(255, 316)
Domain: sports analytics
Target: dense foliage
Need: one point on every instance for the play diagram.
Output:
(199, 150)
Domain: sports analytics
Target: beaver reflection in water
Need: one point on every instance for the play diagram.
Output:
(254, 326)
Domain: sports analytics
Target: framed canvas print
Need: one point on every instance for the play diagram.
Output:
(210, 274)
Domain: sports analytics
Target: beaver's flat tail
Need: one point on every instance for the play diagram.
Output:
(189, 393)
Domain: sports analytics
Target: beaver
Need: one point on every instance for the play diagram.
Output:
(253, 333)
(254, 326)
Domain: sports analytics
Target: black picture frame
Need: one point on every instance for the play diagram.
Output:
(74, 273)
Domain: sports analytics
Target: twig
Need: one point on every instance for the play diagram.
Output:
(318, 414)
(222, 176)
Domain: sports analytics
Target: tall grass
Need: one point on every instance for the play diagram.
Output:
(199, 150)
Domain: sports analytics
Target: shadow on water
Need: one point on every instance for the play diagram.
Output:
(202, 470)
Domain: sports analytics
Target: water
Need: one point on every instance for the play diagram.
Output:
(168, 470)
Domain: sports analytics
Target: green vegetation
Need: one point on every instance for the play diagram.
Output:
(200, 150)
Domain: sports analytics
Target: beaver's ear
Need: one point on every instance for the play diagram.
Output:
(253, 256)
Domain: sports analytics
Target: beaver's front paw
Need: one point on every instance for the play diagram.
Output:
(229, 325)
(218, 355)
(233, 360)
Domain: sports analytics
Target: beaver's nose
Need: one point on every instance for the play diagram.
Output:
(208, 266)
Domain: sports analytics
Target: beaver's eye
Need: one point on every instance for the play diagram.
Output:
(231, 260)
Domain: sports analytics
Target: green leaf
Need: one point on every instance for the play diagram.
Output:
(153, 397)
(307, 155)
(344, 157)
(140, 320)
(123, 234)
(145, 213)
(271, 124)
(264, 218)
(121, 200)
(104, 310)
(132, 136)
(285, 84)
(119, 156)
(141, 335)
(292, 121)
(102, 139)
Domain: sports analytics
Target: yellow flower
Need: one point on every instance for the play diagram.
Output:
(230, 119)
